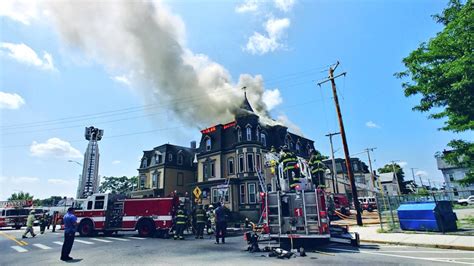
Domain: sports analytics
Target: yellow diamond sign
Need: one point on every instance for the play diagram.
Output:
(197, 192)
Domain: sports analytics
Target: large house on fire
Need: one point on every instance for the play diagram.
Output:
(224, 165)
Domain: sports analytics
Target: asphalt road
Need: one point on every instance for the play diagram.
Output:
(127, 248)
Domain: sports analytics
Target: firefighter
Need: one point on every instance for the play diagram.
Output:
(200, 217)
(43, 221)
(211, 220)
(29, 224)
(317, 169)
(291, 171)
(180, 223)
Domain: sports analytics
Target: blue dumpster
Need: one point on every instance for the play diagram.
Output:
(427, 216)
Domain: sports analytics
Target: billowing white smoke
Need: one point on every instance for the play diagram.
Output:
(146, 41)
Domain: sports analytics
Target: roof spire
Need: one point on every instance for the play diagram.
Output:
(245, 104)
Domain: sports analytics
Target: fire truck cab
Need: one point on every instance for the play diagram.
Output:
(109, 213)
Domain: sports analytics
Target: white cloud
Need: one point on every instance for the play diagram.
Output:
(123, 80)
(270, 41)
(402, 164)
(59, 181)
(22, 11)
(10, 100)
(421, 173)
(272, 98)
(284, 5)
(24, 54)
(371, 124)
(54, 147)
(115, 162)
(247, 6)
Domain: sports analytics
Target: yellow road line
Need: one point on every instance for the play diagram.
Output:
(19, 242)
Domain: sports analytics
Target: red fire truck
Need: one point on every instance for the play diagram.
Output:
(13, 214)
(109, 213)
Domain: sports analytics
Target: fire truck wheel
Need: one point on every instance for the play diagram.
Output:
(146, 228)
(86, 228)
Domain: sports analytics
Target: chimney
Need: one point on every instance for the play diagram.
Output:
(193, 144)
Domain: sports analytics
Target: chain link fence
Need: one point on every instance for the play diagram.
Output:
(463, 206)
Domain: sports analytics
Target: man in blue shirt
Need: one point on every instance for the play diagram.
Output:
(70, 222)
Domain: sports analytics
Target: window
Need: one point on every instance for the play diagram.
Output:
(239, 135)
(230, 166)
(180, 180)
(99, 202)
(208, 144)
(158, 158)
(250, 162)
(456, 193)
(242, 194)
(298, 147)
(89, 205)
(213, 172)
(170, 157)
(252, 193)
(180, 158)
(205, 171)
(142, 181)
(263, 139)
(269, 187)
(241, 163)
(356, 167)
(249, 133)
(144, 163)
(258, 133)
(217, 194)
(451, 177)
(154, 179)
(258, 163)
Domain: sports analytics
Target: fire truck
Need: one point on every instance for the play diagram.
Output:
(13, 213)
(295, 218)
(109, 213)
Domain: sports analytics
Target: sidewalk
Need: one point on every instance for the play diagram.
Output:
(370, 234)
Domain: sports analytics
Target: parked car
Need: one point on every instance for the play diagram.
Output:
(341, 203)
(465, 202)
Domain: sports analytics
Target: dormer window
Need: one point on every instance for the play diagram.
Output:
(298, 147)
(180, 158)
(144, 163)
(208, 143)
(170, 157)
(239, 134)
(258, 133)
(249, 133)
(263, 138)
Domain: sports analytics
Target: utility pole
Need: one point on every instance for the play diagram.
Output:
(335, 186)
(421, 180)
(368, 150)
(413, 175)
(344, 141)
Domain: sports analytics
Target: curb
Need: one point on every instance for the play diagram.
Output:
(469, 248)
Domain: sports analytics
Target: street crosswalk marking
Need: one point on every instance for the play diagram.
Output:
(58, 242)
(100, 240)
(116, 238)
(134, 237)
(41, 246)
(19, 249)
(84, 242)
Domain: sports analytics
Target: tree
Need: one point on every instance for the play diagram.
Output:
(442, 72)
(21, 196)
(118, 185)
(388, 168)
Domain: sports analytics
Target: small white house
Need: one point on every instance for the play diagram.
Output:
(389, 184)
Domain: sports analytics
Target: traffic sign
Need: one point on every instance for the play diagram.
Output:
(197, 192)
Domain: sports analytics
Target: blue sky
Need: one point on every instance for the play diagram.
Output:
(47, 74)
